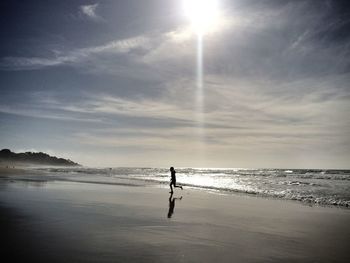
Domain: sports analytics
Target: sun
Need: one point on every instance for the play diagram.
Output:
(203, 14)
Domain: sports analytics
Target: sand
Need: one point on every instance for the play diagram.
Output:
(60, 221)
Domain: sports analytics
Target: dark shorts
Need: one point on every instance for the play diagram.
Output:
(173, 182)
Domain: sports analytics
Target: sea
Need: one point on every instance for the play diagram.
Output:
(310, 186)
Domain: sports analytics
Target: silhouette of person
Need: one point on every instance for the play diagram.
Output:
(172, 205)
(173, 180)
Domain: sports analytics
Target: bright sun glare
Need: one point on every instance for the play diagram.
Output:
(203, 14)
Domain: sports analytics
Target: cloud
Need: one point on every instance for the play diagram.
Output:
(42, 106)
(272, 84)
(123, 46)
(89, 11)
(249, 43)
(240, 116)
(147, 51)
(233, 109)
(252, 49)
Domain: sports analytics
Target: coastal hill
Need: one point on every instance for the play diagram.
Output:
(8, 157)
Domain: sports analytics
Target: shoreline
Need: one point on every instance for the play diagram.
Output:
(22, 173)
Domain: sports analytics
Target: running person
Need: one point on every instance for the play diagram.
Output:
(173, 179)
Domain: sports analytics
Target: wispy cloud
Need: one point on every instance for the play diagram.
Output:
(232, 109)
(43, 111)
(123, 46)
(249, 43)
(90, 12)
(149, 50)
(239, 116)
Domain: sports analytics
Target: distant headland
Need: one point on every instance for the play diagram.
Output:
(7, 157)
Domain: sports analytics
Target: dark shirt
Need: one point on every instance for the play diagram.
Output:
(173, 178)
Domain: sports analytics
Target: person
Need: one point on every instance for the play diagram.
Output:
(173, 180)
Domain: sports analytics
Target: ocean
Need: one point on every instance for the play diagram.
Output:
(311, 186)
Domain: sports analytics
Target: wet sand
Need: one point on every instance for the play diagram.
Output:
(60, 221)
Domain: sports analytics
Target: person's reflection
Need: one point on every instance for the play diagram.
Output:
(172, 205)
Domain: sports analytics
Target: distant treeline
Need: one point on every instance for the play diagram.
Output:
(7, 156)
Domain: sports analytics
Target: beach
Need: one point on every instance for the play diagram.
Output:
(65, 221)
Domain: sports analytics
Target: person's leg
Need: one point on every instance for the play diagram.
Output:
(177, 186)
(171, 187)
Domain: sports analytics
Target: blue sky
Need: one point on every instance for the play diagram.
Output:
(113, 83)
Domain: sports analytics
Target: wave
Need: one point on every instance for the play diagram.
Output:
(341, 175)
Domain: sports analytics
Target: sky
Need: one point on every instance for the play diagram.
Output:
(114, 83)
